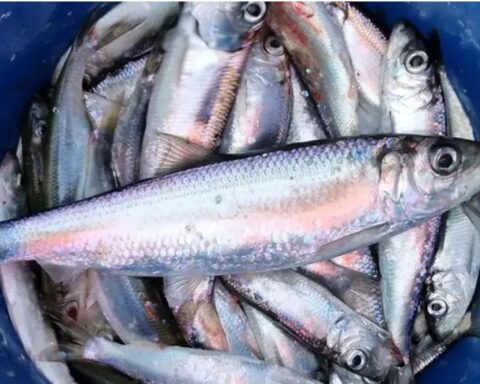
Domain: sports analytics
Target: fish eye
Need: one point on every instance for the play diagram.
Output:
(356, 360)
(416, 62)
(273, 46)
(437, 308)
(254, 11)
(444, 160)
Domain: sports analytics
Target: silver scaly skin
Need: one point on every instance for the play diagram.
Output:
(261, 112)
(18, 284)
(305, 122)
(171, 365)
(412, 104)
(68, 131)
(276, 210)
(239, 335)
(452, 279)
(201, 70)
(360, 260)
(366, 45)
(128, 135)
(355, 289)
(277, 346)
(319, 319)
(323, 62)
(119, 84)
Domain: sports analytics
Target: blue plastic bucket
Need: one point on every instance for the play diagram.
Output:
(35, 35)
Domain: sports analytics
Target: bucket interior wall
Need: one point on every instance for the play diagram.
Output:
(35, 35)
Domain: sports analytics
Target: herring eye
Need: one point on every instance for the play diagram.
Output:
(444, 160)
(356, 360)
(437, 308)
(273, 46)
(254, 11)
(416, 62)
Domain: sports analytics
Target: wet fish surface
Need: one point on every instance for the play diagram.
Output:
(297, 230)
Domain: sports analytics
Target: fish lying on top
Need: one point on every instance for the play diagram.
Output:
(412, 103)
(201, 69)
(296, 208)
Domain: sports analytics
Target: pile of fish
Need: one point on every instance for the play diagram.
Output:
(241, 193)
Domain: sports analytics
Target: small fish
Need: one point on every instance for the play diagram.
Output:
(453, 275)
(128, 135)
(98, 177)
(201, 70)
(261, 112)
(366, 45)
(33, 136)
(412, 99)
(133, 310)
(18, 284)
(237, 329)
(118, 85)
(412, 104)
(190, 299)
(355, 289)
(151, 364)
(305, 122)
(320, 320)
(277, 346)
(315, 41)
(123, 33)
(68, 130)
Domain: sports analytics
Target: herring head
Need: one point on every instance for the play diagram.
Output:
(366, 349)
(410, 85)
(228, 26)
(422, 177)
(447, 302)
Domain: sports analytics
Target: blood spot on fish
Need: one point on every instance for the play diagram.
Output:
(218, 199)
(4, 202)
